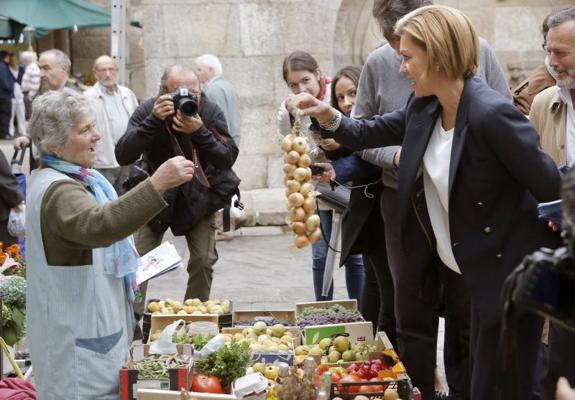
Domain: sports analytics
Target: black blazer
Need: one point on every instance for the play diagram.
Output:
(497, 174)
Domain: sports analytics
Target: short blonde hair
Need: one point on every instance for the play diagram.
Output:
(447, 35)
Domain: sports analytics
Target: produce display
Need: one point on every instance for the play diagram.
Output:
(189, 307)
(227, 364)
(336, 314)
(182, 336)
(336, 350)
(157, 366)
(299, 190)
(13, 294)
(262, 339)
(269, 321)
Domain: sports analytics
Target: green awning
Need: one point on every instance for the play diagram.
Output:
(48, 15)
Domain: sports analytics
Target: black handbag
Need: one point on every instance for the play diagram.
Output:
(334, 197)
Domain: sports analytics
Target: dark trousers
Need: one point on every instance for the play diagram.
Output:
(417, 299)
(5, 114)
(378, 304)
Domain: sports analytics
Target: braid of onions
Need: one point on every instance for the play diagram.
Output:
(300, 191)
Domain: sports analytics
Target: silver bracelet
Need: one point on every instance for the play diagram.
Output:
(333, 123)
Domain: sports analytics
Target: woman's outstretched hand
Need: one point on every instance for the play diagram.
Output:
(310, 106)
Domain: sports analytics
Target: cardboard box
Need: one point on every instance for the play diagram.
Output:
(130, 382)
(283, 316)
(159, 322)
(356, 332)
(147, 394)
(349, 304)
(287, 357)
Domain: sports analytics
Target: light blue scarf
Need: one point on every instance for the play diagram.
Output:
(121, 258)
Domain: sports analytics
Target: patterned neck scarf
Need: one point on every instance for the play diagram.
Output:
(121, 258)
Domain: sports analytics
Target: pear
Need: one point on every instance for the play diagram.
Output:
(341, 343)
(325, 343)
(301, 351)
(260, 328)
(259, 367)
(272, 372)
(334, 356)
(348, 356)
(315, 351)
(278, 330)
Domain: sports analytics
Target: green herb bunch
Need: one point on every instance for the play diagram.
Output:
(227, 364)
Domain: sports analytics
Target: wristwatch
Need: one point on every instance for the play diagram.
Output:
(333, 123)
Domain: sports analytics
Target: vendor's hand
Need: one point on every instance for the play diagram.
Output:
(184, 124)
(397, 158)
(329, 144)
(328, 173)
(564, 391)
(554, 227)
(164, 106)
(20, 207)
(21, 142)
(310, 106)
(173, 172)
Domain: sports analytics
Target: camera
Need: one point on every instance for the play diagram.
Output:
(186, 102)
(546, 285)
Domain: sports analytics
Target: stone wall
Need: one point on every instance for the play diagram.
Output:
(252, 37)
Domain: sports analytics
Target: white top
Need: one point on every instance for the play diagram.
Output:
(569, 126)
(436, 185)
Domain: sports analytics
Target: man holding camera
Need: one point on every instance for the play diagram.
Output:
(180, 121)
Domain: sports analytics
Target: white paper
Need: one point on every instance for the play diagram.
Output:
(162, 259)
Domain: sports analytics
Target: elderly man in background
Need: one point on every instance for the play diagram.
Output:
(112, 105)
(553, 115)
(30, 80)
(209, 69)
(55, 66)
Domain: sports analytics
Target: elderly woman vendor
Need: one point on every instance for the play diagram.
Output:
(81, 260)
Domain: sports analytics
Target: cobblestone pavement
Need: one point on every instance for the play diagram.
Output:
(256, 271)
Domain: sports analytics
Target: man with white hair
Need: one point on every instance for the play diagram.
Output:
(55, 67)
(209, 69)
(30, 80)
(112, 105)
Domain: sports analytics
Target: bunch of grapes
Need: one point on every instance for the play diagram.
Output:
(336, 314)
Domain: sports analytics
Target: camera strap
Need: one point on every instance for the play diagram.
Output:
(199, 171)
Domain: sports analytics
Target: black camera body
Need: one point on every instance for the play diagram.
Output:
(546, 285)
(188, 103)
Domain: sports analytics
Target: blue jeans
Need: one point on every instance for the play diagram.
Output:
(354, 272)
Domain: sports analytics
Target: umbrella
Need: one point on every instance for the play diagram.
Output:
(47, 15)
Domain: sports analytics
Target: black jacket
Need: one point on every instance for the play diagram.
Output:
(216, 150)
(148, 134)
(10, 196)
(498, 173)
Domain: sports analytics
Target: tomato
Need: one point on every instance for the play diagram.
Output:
(335, 377)
(350, 379)
(206, 384)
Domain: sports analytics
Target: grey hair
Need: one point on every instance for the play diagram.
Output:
(62, 58)
(166, 74)
(100, 58)
(211, 61)
(54, 114)
(28, 56)
(561, 16)
(388, 12)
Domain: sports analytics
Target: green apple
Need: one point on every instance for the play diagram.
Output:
(259, 367)
(348, 356)
(260, 328)
(325, 343)
(334, 356)
(272, 372)
(315, 351)
(301, 351)
(278, 330)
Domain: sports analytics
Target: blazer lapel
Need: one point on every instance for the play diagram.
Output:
(418, 133)
(460, 132)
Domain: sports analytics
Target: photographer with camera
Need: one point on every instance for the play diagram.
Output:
(181, 121)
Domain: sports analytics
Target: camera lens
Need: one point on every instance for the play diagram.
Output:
(188, 107)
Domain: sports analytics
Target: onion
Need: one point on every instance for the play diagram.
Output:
(309, 204)
(292, 186)
(300, 174)
(312, 222)
(296, 199)
(292, 157)
(298, 228)
(289, 169)
(286, 179)
(298, 214)
(307, 174)
(301, 241)
(306, 188)
(286, 144)
(304, 161)
(315, 236)
(299, 144)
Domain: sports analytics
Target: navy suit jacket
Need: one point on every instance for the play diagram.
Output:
(497, 175)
